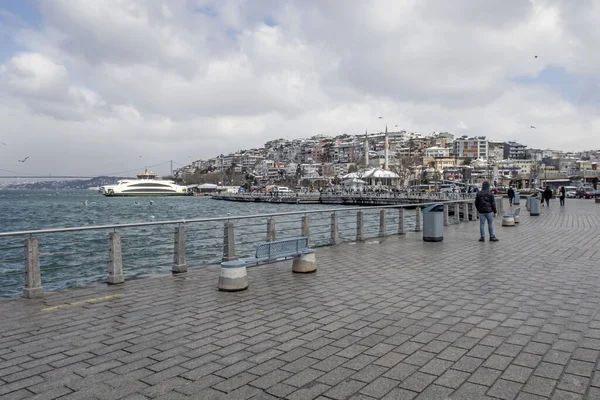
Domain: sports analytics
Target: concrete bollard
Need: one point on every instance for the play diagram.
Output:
(228, 242)
(179, 264)
(360, 228)
(304, 263)
(457, 212)
(382, 223)
(306, 228)
(233, 276)
(418, 219)
(32, 288)
(401, 221)
(446, 214)
(115, 263)
(335, 232)
(465, 211)
(271, 230)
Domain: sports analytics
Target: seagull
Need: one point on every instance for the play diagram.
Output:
(535, 56)
(380, 117)
(532, 127)
(151, 202)
(23, 160)
(3, 144)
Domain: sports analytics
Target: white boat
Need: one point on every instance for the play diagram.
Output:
(146, 184)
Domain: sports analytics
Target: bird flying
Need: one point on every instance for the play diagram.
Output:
(380, 117)
(23, 160)
(532, 127)
(535, 56)
(3, 144)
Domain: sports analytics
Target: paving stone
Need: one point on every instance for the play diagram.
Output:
(379, 387)
(470, 391)
(573, 383)
(308, 392)
(452, 378)
(417, 382)
(517, 373)
(400, 394)
(540, 386)
(504, 389)
(344, 389)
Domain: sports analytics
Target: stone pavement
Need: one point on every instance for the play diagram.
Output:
(400, 319)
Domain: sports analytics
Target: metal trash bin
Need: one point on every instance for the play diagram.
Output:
(534, 206)
(517, 199)
(433, 223)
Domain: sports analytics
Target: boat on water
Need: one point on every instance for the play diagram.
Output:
(146, 184)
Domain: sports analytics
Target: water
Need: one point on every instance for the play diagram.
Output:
(80, 258)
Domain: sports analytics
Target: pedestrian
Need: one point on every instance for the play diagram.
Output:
(511, 195)
(547, 195)
(485, 203)
(563, 194)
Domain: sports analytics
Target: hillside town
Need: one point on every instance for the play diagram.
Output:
(399, 159)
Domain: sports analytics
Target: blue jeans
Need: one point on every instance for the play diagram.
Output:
(489, 217)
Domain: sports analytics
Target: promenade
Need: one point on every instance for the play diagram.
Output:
(396, 318)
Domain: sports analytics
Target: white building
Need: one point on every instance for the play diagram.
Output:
(437, 152)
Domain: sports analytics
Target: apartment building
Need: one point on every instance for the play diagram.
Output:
(473, 147)
(514, 151)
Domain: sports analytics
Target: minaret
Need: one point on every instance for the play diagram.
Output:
(366, 150)
(387, 145)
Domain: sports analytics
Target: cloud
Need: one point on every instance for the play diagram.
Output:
(100, 82)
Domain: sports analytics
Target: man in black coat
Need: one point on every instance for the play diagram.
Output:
(485, 203)
(511, 195)
(547, 195)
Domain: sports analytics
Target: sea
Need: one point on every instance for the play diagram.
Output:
(77, 259)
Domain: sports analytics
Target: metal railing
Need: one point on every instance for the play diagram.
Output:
(78, 256)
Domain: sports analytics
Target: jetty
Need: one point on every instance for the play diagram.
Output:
(389, 317)
(350, 199)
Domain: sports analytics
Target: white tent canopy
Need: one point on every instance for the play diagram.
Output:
(375, 176)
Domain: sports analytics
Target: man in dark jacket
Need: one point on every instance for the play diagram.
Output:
(485, 203)
(511, 195)
(547, 195)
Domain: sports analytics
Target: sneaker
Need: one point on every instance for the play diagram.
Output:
(493, 239)
(481, 239)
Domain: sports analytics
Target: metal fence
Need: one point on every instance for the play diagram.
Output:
(80, 256)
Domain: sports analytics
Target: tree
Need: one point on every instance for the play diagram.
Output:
(467, 161)
(352, 168)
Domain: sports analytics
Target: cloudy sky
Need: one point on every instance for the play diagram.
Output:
(95, 87)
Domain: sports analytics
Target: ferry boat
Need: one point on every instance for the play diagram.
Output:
(146, 184)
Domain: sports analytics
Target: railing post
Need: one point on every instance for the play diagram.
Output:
(401, 221)
(306, 228)
(446, 214)
(360, 228)
(335, 232)
(465, 211)
(179, 264)
(115, 259)
(457, 212)
(418, 219)
(271, 230)
(32, 288)
(228, 242)
(382, 223)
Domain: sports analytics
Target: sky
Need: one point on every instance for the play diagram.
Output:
(104, 86)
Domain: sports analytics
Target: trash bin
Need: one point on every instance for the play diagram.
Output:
(433, 223)
(534, 206)
(517, 199)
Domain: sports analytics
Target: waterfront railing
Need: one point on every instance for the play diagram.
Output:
(59, 258)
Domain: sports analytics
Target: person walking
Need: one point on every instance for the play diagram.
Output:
(547, 195)
(563, 194)
(485, 203)
(511, 195)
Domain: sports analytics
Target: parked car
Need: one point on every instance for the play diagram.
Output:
(585, 192)
(571, 192)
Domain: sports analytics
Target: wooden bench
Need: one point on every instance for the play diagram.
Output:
(234, 277)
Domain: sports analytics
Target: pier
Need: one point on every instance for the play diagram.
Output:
(354, 199)
(387, 317)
